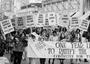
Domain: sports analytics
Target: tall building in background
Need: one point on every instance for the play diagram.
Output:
(23, 2)
(74, 7)
(87, 5)
(53, 5)
(7, 5)
(32, 7)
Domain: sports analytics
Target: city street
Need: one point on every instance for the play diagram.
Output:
(8, 56)
(45, 31)
(55, 62)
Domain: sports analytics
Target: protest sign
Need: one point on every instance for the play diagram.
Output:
(13, 22)
(29, 21)
(52, 18)
(40, 19)
(74, 22)
(20, 22)
(46, 22)
(6, 26)
(84, 25)
(59, 15)
(65, 19)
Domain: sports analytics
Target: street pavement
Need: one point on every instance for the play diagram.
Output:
(8, 56)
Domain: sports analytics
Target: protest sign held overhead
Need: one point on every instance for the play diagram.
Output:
(46, 23)
(20, 22)
(6, 26)
(84, 24)
(65, 19)
(52, 18)
(29, 21)
(13, 22)
(39, 19)
(74, 22)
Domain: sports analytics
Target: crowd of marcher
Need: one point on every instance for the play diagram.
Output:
(15, 42)
(61, 34)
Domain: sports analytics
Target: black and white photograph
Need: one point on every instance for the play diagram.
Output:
(44, 31)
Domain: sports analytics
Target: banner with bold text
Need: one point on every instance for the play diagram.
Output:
(52, 49)
(74, 22)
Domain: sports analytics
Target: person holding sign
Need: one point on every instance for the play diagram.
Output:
(63, 33)
(3, 60)
(55, 37)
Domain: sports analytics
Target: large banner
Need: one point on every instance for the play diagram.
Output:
(55, 49)
(6, 26)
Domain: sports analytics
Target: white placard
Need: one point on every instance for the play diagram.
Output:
(7, 26)
(59, 15)
(65, 20)
(29, 21)
(46, 22)
(20, 22)
(52, 18)
(40, 19)
(84, 25)
(74, 22)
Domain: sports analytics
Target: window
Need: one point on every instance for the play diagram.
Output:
(87, 5)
